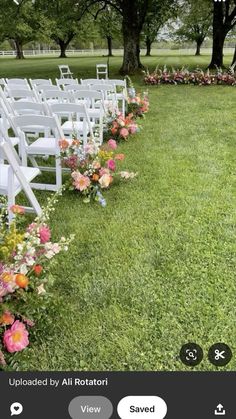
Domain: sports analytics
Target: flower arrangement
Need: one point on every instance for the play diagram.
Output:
(25, 257)
(121, 127)
(93, 168)
(138, 106)
(184, 76)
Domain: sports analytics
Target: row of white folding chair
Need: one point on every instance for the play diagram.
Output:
(15, 178)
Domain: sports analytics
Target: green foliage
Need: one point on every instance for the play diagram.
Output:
(23, 23)
(196, 18)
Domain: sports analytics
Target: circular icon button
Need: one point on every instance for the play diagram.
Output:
(220, 354)
(191, 354)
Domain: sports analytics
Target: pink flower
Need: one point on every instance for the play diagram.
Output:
(132, 129)
(111, 164)
(81, 182)
(16, 338)
(44, 234)
(112, 144)
(124, 132)
(103, 171)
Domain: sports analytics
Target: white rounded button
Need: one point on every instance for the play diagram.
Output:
(142, 407)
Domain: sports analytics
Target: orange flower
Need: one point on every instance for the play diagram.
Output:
(21, 280)
(17, 209)
(120, 156)
(95, 177)
(114, 131)
(6, 319)
(64, 144)
(76, 142)
(37, 269)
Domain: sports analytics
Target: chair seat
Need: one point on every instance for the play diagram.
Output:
(29, 172)
(95, 113)
(43, 145)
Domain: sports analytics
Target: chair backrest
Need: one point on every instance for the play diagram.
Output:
(66, 81)
(17, 81)
(25, 122)
(59, 95)
(117, 82)
(28, 108)
(64, 71)
(90, 97)
(102, 70)
(74, 87)
(91, 81)
(38, 82)
(41, 87)
(22, 94)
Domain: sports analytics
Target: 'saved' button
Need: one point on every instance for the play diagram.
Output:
(142, 407)
(90, 407)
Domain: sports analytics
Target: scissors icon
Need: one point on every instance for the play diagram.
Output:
(219, 355)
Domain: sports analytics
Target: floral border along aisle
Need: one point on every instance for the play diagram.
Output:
(93, 168)
(184, 76)
(25, 258)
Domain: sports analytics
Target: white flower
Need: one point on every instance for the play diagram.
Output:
(41, 290)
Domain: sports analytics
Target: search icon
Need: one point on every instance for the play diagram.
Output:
(16, 409)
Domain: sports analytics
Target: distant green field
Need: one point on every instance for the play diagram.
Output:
(155, 268)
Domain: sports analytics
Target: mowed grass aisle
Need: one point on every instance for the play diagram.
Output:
(155, 268)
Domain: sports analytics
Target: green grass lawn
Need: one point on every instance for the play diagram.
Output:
(156, 268)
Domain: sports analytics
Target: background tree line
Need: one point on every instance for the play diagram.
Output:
(126, 23)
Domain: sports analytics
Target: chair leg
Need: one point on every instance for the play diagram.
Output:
(10, 195)
(58, 172)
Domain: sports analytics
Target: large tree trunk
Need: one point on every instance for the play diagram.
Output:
(234, 57)
(131, 27)
(148, 46)
(219, 35)
(109, 46)
(19, 49)
(198, 49)
(63, 46)
(131, 55)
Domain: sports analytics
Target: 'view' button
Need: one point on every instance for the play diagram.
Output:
(141, 407)
(90, 407)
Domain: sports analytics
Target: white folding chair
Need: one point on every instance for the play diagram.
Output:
(95, 107)
(45, 145)
(65, 71)
(120, 96)
(62, 83)
(77, 120)
(102, 70)
(109, 94)
(15, 178)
